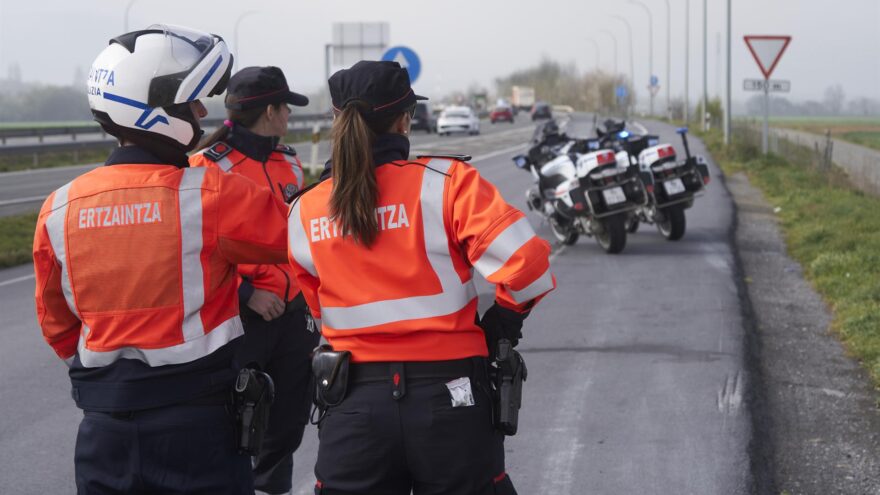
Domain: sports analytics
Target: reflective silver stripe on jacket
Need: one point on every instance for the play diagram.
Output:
(454, 294)
(192, 274)
(178, 354)
(225, 163)
(543, 284)
(56, 226)
(298, 241)
(296, 168)
(503, 246)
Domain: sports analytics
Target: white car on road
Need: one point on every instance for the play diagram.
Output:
(458, 119)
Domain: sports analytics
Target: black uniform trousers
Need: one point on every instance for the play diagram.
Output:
(183, 449)
(282, 348)
(376, 444)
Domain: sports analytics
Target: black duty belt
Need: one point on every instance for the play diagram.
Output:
(385, 371)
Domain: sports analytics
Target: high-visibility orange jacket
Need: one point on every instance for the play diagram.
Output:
(410, 296)
(280, 171)
(135, 262)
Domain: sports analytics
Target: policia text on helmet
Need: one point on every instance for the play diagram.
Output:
(142, 87)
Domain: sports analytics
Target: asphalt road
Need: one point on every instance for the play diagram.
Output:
(636, 379)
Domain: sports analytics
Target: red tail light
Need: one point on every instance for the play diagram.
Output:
(579, 206)
(650, 188)
(706, 180)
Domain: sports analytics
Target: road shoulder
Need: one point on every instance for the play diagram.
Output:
(821, 411)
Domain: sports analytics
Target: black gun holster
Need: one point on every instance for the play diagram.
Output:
(330, 370)
(252, 396)
(509, 372)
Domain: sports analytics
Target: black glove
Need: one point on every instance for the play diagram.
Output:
(501, 323)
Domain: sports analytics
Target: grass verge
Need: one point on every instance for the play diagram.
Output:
(831, 229)
(17, 239)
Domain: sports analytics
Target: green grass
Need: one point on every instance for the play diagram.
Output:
(831, 229)
(53, 159)
(870, 139)
(17, 239)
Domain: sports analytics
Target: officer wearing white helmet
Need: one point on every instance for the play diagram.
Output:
(136, 279)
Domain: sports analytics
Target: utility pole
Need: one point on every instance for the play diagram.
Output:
(705, 117)
(687, 59)
(727, 105)
(650, 51)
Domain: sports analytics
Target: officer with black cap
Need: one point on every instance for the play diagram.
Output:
(405, 396)
(276, 339)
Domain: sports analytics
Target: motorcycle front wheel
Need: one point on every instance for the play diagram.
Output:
(673, 225)
(564, 233)
(612, 237)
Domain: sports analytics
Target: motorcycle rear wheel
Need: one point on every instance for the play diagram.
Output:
(612, 238)
(565, 234)
(673, 225)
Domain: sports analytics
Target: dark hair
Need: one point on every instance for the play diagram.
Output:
(354, 195)
(245, 118)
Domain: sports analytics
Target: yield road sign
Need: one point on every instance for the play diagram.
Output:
(407, 59)
(767, 50)
(774, 86)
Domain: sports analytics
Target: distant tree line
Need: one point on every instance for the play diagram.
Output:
(833, 103)
(563, 84)
(29, 103)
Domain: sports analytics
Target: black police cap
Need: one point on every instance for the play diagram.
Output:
(254, 87)
(383, 86)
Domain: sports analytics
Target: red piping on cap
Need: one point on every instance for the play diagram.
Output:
(380, 107)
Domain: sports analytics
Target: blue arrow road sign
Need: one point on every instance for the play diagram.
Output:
(620, 91)
(406, 58)
(654, 81)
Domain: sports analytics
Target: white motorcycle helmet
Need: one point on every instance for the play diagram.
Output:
(141, 85)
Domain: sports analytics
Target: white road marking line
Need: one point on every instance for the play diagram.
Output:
(14, 280)
(642, 129)
(493, 154)
(16, 201)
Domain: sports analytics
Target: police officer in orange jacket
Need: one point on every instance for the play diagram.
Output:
(417, 415)
(272, 310)
(136, 277)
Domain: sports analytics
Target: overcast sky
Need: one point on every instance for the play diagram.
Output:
(461, 42)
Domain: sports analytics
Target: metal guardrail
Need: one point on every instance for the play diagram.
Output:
(298, 121)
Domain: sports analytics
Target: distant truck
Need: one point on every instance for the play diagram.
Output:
(522, 97)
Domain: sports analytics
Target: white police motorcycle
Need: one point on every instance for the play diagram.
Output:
(671, 185)
(581, 189)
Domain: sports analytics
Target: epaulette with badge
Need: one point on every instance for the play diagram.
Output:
(286, 149)
(460, 158)
(216, 152)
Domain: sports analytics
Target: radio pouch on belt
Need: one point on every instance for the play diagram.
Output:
(252, 396)
(510, 373)
(331, 376)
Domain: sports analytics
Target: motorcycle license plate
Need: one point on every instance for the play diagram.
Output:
(614, 195)
(674, 187)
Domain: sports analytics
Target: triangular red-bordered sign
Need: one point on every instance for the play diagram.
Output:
(767, 50)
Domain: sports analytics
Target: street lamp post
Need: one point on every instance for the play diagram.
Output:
(705, 116)
(127, 10)
(596, 48)
(235, 37)
(687, 59)
(650, 48)
(614, 42)
(632, 71)
(668, 52)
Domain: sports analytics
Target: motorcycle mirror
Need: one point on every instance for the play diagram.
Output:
(521, 161)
